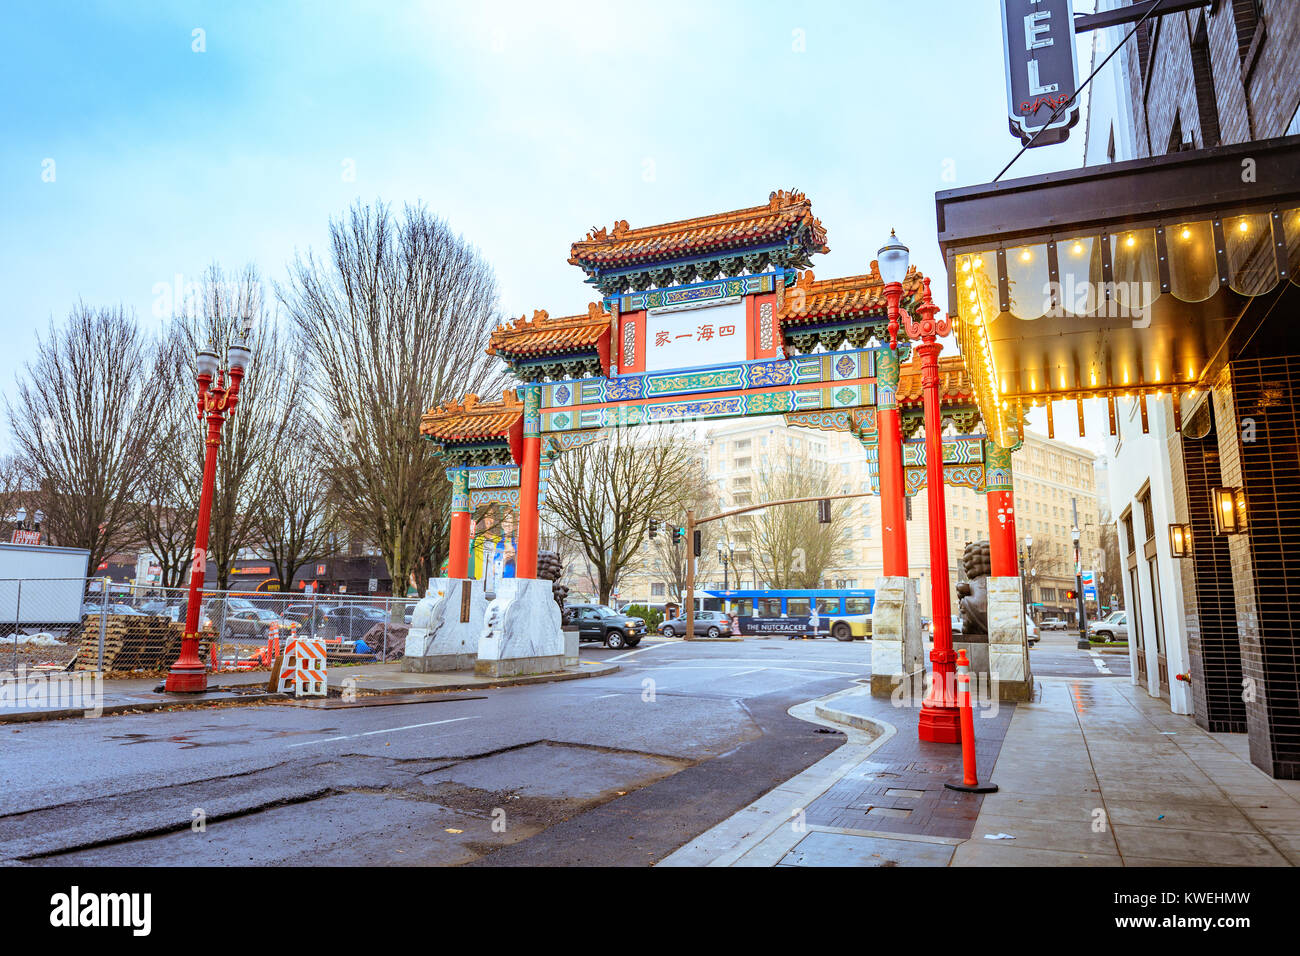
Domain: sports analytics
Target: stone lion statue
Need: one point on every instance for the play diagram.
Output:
(973, 594)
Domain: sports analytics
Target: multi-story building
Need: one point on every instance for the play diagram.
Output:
(1208, 601)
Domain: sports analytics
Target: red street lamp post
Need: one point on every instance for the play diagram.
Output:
(940, 719)
(218, 396)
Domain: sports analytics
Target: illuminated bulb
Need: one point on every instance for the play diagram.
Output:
(965, 266)
(1094, 378)
(970, 283)
(1077, 248)
(1187, 233)
(1245, 226)
(1192, 392)
(1025, 256)
(1130, 241)
(979, 262)
(974, 296)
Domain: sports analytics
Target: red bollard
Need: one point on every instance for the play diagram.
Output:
(970, 782)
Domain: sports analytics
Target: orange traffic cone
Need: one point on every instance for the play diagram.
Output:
(970, 782)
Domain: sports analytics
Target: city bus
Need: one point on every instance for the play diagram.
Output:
(844, 613)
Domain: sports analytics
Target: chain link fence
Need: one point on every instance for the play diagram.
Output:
(53, 624)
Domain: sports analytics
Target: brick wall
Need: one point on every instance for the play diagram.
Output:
(1256, 104)
(1208, 592)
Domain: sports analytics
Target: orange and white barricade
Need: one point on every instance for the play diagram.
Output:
(303, 672)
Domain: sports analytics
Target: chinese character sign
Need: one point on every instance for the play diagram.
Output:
(690, 338)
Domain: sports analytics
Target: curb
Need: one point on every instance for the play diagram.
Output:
(33, 716)
(500, 682)
(758, 835)
(144, 706)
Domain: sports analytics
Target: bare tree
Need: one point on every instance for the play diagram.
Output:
(602, 496)
(395, 320)
(166, 508)
(297, 522)
(258, 433)
(85, 412)
(791, 549)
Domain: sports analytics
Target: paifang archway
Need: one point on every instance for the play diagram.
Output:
(715, 317)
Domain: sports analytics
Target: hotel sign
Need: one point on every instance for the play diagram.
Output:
(1042, 69)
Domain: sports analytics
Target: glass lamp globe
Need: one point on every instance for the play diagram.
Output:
(208, 362)
(892, 257)
(239, 355)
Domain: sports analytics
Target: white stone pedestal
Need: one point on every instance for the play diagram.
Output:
(521, 631)
(445, 627)
(897, 653)
(1008, 648)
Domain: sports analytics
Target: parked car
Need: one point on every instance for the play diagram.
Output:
(1052, 624)
(302, 613)
(956, 624)
(350, 621)
(410, 612)
(599, 623)
(256, 624)
(1113, 627)
(1031, 631)
(707, 624)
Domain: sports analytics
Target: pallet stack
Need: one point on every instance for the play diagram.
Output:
(133, 642)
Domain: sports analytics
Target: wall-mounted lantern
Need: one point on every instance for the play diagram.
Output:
(1229, 506)
(1180, 540)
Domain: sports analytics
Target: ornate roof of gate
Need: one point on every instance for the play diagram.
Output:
(786, 217)
(955, 384)
(525, 337)
(472, 420)
(819, 300)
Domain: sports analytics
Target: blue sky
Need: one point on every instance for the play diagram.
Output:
(523, 124)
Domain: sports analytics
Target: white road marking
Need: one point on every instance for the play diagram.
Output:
(603, 696)
(1098, 662)
(640, 650)
(387, 730)
(752, 670)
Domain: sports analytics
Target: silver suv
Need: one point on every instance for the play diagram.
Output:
(1114, 627)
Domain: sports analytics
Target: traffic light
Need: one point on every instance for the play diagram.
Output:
(697, 542)
(823, 511)
(1071, 595)
(679, 535)
(654, 526)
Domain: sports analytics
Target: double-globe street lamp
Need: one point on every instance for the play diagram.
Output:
(218, 396)
(940, 718)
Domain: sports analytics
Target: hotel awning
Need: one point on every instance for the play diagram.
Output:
(1129, 278)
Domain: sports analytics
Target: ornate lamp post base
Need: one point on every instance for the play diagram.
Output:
(187, 678)
(940, 723)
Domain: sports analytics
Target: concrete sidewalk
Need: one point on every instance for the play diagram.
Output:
(1092, 773)
(1097, 773)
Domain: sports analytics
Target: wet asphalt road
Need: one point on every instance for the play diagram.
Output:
(613, 770)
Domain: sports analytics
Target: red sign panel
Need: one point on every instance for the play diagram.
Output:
(26, 537)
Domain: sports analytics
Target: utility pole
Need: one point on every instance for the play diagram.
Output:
(1078, 581)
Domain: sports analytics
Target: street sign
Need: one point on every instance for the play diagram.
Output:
(26, 537)
(1042, 69)
(374, 585)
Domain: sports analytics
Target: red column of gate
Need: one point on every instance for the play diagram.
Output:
(1002, 534)
(529, 482)
(458, 558)
(893, 507)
